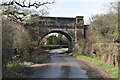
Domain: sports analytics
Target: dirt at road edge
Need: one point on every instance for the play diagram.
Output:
(93, 71)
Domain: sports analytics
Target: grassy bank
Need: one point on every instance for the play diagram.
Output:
(41, 58)
(114, 72)
(16, 69)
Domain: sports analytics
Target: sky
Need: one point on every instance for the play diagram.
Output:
(73, 8)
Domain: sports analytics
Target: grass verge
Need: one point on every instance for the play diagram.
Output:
(16, 69)
(114, 72)
(41, 58)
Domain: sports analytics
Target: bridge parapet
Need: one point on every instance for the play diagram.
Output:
(60, 22)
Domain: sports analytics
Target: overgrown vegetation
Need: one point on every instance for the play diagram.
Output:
(16, 70)
(17, 49)
(41, 58)
(104, 27)
(17, 42)
(102, 40)
(114, 72)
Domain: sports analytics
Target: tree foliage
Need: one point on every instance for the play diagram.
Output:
(57, 40)
(104, 27)
(16, 42)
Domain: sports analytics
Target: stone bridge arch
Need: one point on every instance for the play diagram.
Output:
(70, 43)
(73, 28)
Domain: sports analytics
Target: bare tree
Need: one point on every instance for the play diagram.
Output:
(114, 6)
(17, 10)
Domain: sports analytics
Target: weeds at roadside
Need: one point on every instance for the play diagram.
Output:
(17, 69)
(115, 72)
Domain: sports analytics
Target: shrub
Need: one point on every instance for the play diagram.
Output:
(15, 42)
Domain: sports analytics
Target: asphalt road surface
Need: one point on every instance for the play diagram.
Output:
(58, 66)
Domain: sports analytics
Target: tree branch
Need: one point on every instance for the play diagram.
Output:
(14, 7)
(36, 5)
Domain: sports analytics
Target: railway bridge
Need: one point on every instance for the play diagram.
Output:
(72, 28)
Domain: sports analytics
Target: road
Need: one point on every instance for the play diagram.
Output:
(58, 66)
(63, 66)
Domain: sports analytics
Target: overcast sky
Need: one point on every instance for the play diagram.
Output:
(72, 8)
